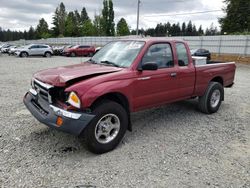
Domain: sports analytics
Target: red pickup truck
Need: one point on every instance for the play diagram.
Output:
(95, 98)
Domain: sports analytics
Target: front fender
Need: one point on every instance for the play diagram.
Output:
(118, 86)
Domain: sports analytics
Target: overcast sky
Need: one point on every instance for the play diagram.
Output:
(21, 14)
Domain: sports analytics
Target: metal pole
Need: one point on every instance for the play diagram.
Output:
(138, 17)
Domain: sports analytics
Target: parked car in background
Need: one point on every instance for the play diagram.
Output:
(58, 50)
(34, 50)
(201, 53)
(13, 49)
(97, 49)
(6, 48)
(80, 50)
(3, 46)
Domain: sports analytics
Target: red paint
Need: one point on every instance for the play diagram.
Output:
(141, 93)
(80, 50)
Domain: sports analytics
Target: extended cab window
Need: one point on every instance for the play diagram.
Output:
(161, 54)
(182, 54)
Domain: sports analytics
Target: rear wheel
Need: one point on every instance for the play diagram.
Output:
(72, 54)
(210, 102)
(108, 127)
(24, 54)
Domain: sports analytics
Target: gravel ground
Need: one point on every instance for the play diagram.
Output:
(172, 146)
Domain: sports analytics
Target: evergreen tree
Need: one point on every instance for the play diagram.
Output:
(189, 29)
(88, 28)
(59, 20)
(237, 17)
(98, 26)
(167, 28)
(194, 31)
(183, 29)
(77, 18)
(160, 30)
(84, 15)
(70, 25)
(42, 29)
(31, 33)
(200, 31)
(122, 28)
(107, 21)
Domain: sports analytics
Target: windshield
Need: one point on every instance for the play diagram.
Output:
(120, 53)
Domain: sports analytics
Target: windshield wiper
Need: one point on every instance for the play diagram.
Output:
(110, 63)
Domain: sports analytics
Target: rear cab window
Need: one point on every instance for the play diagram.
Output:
(182, 54)
(161, 54)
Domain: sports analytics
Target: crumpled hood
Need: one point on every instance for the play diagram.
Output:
(61, 75)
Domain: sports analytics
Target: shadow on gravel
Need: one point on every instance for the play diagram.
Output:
(58, 144)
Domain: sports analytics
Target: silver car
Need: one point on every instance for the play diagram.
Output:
(34, 50)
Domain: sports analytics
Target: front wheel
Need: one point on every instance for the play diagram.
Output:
(210, 102)
(48, 54)
(24, 54)
(108, 127)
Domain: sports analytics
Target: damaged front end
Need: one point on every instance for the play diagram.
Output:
(48, 104)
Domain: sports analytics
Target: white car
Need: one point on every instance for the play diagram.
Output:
(5, 48)
(34, 50)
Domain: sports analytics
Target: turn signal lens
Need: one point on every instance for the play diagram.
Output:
(74, 100)
(59, 121)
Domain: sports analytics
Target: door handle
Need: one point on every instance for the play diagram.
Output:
(174, 74)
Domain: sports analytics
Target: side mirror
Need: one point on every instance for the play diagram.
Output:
(149, 66)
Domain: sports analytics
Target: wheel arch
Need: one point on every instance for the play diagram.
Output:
(24, 52)
(218, 79)
(116, 97)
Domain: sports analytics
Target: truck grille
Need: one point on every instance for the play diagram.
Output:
(43, 90)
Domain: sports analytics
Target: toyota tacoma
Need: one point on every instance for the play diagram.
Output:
(95, 99)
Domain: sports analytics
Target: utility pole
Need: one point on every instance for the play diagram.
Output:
(138, 17)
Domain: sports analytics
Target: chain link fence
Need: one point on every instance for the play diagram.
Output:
(224, 44)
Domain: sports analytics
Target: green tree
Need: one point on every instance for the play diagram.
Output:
(98, 26)
(88, 28)
(31, 33)
(77, 17)
(42, 29)
(70, 25)
(237, 17)
(160, 30)
(59, 20)
(189, 29)
(107, 20)
(122, 28)
(200, 31)
(84, 15)
(194, 31)
(183, 29)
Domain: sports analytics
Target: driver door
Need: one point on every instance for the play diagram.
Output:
(156, 87)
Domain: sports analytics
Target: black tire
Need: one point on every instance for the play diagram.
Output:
(207, 103)
(101, 110)
(24, 54)
(47, 54)
(73, 54)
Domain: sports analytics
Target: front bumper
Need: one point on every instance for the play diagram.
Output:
(73, 123)
(17, 53)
